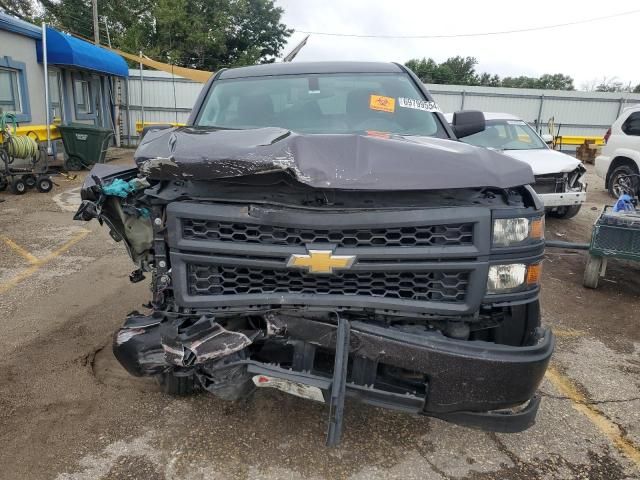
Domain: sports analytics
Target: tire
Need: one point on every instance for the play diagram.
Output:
(18, 186)
(566, 212)
(592, 271)
(615, 188)
(178, 386)
(73, 163)
(3, 183)
(30, 180)
(44, 184)
(519, 326)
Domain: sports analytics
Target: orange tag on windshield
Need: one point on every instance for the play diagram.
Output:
(383, 104)
(376, 133)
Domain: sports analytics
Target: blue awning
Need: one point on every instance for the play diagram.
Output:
(63, 49)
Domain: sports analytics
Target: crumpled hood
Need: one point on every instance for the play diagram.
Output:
(545, 161)
(342, 161)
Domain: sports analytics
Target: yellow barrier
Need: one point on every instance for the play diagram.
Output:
(37, 132)
(577, 140)
(140, 126)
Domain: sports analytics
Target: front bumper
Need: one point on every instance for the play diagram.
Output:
(602, 164)
(473, 383)
(565, 199)
(462, 376)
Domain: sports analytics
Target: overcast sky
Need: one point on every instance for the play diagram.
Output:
(586, 52)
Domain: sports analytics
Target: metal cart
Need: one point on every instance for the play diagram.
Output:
(615, 235)
(33, 171)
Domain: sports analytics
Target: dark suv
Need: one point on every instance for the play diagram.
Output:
(318, 228)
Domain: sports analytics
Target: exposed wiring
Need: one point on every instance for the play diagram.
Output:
(475, 34)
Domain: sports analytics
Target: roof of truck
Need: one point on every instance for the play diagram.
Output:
(302, 68)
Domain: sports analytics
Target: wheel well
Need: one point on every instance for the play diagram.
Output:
(615, 163)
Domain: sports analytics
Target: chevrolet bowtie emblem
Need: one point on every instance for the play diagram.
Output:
(321, 261)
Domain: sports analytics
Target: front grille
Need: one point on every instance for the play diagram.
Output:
(420, 286)
(459, 234)
(552, 183)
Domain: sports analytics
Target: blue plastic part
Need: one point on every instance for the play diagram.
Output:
(118, 188)
(624, 204)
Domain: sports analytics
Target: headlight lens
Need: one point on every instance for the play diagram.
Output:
(509, 277)
(511, 231)
(503, 278)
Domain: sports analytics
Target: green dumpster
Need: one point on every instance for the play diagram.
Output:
(84, 144)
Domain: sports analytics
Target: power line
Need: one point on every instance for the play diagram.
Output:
(476, 34)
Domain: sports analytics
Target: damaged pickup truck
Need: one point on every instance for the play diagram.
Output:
(317, 228)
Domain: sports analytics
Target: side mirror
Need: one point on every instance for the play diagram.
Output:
(547, 138)
(468, 122)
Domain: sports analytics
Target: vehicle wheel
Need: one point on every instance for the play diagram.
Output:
(30, 180)
(619, 183)
(44, 184)
(592, 271)
(18, 186)
(3, 183)
(73, 163)
(519, 327)
(179, 386)
(566, 212)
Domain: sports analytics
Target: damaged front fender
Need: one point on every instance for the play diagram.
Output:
(111, 196)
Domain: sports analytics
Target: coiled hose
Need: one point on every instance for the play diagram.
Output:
(21, 146)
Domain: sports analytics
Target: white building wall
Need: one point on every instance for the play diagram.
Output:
(23, 49)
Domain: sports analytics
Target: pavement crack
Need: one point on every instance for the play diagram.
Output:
(589, 402)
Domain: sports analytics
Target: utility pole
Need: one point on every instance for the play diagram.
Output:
(96, 25)
(108, 36)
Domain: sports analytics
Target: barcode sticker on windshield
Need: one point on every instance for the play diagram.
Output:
(515, 122)
(418, 104)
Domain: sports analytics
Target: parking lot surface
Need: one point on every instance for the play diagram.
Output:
(69, 411)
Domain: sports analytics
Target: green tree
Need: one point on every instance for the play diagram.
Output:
(204, 34)
(19, 8)
(556, 81)
(461, 71)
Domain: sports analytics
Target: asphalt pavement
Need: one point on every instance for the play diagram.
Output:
(69, 411)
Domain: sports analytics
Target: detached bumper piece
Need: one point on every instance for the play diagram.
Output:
(472, 383)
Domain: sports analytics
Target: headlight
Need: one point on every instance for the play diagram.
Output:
(511, 231)
(509, 277)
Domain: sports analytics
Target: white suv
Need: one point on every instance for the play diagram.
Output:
(621, 154)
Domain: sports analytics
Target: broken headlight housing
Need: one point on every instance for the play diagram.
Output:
(514, 231)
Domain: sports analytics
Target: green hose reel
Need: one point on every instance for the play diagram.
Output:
(20, 146)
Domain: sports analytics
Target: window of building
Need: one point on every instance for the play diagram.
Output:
(14, 96)
(82, 94)
(10, 91)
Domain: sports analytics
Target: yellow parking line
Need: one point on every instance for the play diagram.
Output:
(32, 259)
(26, 273)
(606, 426)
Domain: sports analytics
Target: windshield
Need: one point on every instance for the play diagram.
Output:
(335, 103)
(506, 135)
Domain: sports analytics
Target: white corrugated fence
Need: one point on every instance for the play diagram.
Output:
(168, 99)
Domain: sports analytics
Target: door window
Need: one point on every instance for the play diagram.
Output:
(82, 94)
(55, 95)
